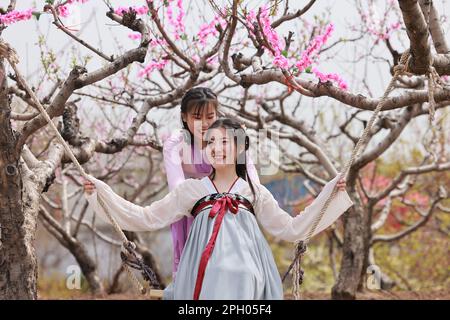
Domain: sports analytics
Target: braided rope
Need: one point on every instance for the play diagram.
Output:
(11, 55)
(134, 279)
(434, 81)
(400, 69)
(131, 258)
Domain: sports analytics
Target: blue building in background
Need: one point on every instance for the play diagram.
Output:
(287, 189)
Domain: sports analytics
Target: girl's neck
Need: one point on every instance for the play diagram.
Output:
(224, 178)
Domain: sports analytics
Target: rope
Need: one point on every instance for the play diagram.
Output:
(301, 246)
(11, 55)
(434, 81)
(130, 258)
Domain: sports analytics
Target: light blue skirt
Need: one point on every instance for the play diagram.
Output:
(241, 266)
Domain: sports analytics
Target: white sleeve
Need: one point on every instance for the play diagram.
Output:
(132, 217)
(172, 160)
(282, 225)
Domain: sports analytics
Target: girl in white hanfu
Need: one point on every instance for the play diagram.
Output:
(226, 255)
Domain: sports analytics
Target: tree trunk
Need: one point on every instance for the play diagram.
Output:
(355, 251)
(18, 267)
(88, 267)
(76, 248)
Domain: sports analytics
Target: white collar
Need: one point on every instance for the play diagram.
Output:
(237, 185)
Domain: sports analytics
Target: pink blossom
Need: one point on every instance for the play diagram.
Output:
(63, 11)
(251, 18)
(157, 42)
(316, 44)
(384, 34)
(270, 34)
(143, 10)
(379, 27)
(177, 23)
(325, 77)
(152, 66)
(15, 16)
(209, 29)
(281, 61)
(80, 1)
(135, 36)
(180, 15)
(274, 43)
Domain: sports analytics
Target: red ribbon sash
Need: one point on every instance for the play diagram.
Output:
(219, 209)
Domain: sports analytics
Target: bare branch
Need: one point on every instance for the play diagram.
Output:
(226, 46)
(425, 217)
(410, 171)
(57, 22)
(290, 16)
(383, 216)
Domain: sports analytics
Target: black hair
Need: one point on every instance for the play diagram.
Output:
(197, 99)
(239, 137)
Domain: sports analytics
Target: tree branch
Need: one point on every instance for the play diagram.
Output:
(410, 171)
(397, 236)
(430, 14)
(291, 16)
(417, 31)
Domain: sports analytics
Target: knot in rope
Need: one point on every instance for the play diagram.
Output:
(402, 67)
(132, 259)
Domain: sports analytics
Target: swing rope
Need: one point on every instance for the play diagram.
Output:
(130, 256)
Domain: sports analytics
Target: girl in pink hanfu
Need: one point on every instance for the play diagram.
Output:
(226, 255)
(184, 155)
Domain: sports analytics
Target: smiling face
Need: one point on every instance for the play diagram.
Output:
(221, 148)
(199, 118)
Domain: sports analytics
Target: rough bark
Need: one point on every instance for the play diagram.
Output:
(18, 268)
(417, 31)
(437, 35)
(354, 251)
(356, 243)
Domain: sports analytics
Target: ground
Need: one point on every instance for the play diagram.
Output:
(368, 295)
